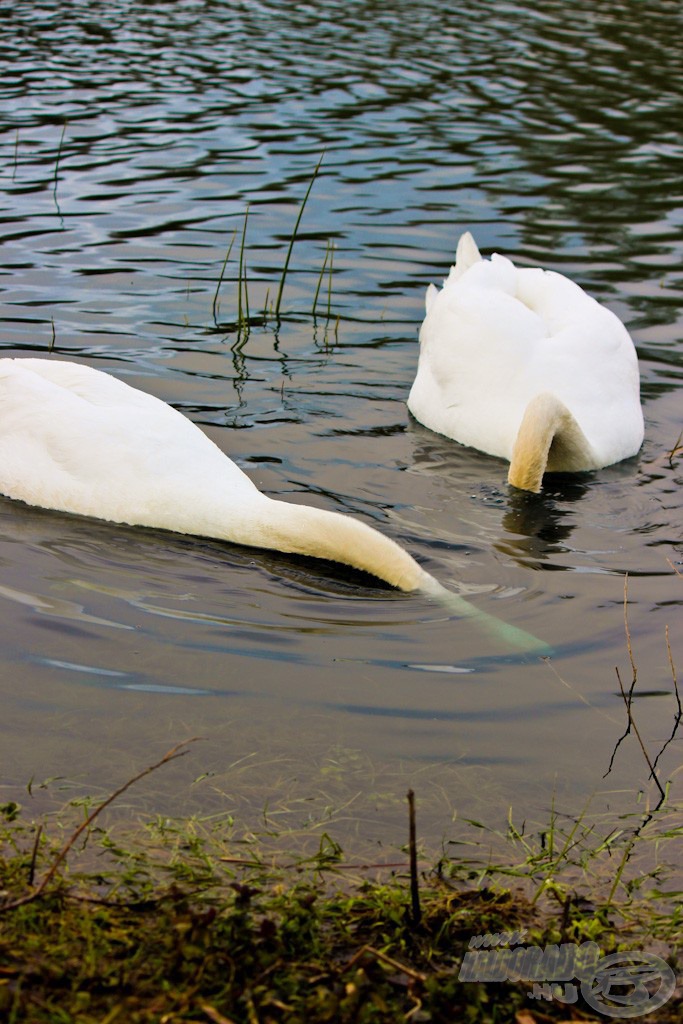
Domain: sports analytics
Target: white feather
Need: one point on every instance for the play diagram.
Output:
(496, 338)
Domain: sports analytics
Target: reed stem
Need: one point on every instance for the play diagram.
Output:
(59, 153)
(220, 278)
(320, 278)
(243, 304)
(329, 282)
(278, 300)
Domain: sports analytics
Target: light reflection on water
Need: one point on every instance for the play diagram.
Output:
(133, 137)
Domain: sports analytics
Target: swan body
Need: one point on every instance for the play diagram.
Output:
(78, 440)
(523, 364)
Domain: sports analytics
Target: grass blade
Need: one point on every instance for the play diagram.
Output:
(292, 239)
(243, 304)
(56, 181)
(329, 282)
(220, 278)
(320, 278)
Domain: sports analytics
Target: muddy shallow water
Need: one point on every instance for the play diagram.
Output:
(133, 139)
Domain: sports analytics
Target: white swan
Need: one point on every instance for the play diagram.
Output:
(78, 440)
(522, 364)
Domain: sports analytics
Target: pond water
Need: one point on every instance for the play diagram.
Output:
(134, 137)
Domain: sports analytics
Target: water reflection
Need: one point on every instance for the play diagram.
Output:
(538, 526)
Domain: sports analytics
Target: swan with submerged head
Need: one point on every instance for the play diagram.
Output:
(78, 440)
(523, 364)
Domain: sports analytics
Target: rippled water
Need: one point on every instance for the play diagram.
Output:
(133, 138)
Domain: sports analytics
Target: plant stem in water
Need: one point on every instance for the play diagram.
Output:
(243, 305)
(220, 278)
(291, 241)
(320, 278)
(59, 153)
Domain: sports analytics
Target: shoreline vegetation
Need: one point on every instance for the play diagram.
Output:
(188, 920)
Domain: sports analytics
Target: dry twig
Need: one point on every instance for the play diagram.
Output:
(171, 755)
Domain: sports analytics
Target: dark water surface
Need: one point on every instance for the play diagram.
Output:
(133, 138)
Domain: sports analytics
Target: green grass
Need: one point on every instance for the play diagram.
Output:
(200, 920)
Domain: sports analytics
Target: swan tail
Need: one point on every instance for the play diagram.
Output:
(430, 295)
(466, 255)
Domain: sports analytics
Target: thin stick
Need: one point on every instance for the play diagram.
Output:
(415, 912)
(396, 964)
(627, 701)
(634, 676)
(220, 279)
(627, 630)
(54, 336)
(34, 855)
(291, 241)
(673, 672)
(679, 714)
(676, 450)
(171, 755)
(16, 155)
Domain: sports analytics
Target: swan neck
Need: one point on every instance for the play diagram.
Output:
(305, 530)
(547, 424)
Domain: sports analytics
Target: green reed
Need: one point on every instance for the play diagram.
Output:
(220, 278)
(288, 257)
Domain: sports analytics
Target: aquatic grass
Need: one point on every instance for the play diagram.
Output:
(245, 320)
(215, 306)
(283, 278)
(243, 323)
(56, 174)
(328, 264)
(329, 283)
(320, 279)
